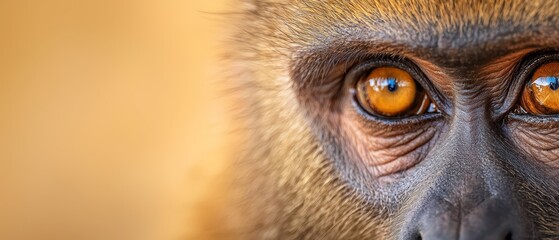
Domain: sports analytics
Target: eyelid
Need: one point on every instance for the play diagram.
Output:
(399, 121)
(543, 121)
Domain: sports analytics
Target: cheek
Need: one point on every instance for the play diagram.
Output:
(542, 143)
(386, 150)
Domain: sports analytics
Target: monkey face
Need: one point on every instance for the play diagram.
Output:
(404, 119)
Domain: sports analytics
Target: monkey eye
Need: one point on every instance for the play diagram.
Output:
(540, 95)
(392, 92)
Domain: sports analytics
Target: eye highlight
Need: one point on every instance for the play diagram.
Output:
(392, 92)
(541, 95)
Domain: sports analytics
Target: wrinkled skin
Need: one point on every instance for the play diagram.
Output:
(314, 166)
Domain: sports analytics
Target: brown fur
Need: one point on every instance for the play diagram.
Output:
(287, 187)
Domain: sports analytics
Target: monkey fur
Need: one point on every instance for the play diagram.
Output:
(294, 175)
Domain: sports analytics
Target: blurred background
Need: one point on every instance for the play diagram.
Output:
(111, 124)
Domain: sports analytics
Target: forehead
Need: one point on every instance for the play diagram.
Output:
(433, 13)
(472, 29)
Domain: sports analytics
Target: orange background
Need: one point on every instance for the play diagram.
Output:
(110, 125)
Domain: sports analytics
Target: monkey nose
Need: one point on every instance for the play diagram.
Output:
(491, 219)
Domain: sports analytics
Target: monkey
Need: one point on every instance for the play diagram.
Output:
(415, 119)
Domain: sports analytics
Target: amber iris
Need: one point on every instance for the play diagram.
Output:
(541, 94)
(392, 92)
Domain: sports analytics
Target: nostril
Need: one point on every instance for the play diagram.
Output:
(508, 236)
(417, 236)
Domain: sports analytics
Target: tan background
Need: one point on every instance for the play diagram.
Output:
(109, 125)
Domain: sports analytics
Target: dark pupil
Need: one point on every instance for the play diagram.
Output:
(393, 85)
(553, 83)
